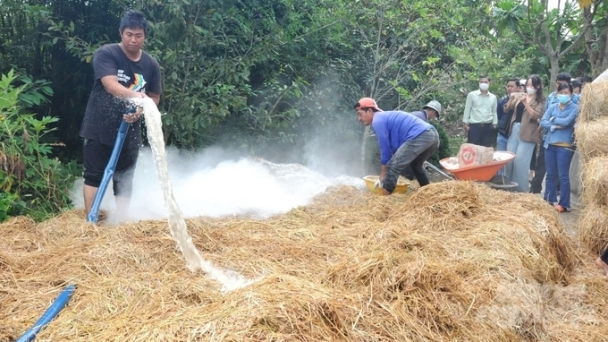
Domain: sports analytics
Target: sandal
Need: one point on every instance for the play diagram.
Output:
(560, 209)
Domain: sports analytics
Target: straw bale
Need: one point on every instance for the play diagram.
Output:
(449, 261)
(594, 101)
(592, 138)
(595, 182)
(593, 227)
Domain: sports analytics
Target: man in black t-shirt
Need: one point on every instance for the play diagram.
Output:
(122, 71)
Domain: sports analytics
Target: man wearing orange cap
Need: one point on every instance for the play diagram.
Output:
(404, 140)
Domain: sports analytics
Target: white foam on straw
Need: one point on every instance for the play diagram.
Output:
(202, 185)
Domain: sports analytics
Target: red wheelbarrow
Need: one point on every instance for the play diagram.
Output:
(486, 173)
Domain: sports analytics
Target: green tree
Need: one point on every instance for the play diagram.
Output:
(554, 31)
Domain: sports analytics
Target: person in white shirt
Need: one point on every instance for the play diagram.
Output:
(480, 118)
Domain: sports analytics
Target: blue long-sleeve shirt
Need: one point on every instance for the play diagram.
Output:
(393, 128)
(564, 118)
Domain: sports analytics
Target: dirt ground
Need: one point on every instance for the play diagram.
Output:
(569, 220)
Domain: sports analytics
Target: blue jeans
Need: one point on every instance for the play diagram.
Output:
(501, 145)
(412, 153)
(501, 142)
(519, 169)
(557, 162)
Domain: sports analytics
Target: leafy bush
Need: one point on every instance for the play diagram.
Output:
(10, 205)
(32, 181)
(444, 145)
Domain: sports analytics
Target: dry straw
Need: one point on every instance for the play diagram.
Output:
(592, 138)
(452, 261)
(595, 181)
(594, 101)
(593, 227)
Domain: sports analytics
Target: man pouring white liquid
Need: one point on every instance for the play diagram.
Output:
(122, 71)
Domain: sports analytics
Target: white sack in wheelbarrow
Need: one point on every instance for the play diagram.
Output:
(471, 154)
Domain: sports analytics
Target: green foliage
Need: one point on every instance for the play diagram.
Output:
(444, 149)
(10, 205)
(28, 173)
(266, 76)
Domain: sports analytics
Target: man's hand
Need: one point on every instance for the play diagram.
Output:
(466, 128)
(133, 117)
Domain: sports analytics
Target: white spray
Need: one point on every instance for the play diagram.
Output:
(230, 280)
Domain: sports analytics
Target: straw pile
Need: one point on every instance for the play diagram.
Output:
(592, 138)
(594, 101)
(452, 261)
(592, 142)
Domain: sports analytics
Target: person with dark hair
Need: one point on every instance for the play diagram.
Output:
(576, 86)
(121, 71)
(480, 118)
(404, 140)
(521, 86)
(504, 118)
(536, 185)
(558, 121)
(527, 109)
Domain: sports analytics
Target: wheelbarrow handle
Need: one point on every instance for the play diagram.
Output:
(438, 170)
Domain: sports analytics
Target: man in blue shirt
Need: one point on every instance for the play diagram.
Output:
(404, 140)
(536, 185)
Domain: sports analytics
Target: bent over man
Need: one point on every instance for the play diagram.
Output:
(404, 140)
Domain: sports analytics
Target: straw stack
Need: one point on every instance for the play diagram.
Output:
(592, 142)
(455, 261)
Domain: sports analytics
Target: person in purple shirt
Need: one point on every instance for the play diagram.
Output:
(404, 140)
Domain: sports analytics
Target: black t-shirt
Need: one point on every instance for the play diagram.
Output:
(104, 111)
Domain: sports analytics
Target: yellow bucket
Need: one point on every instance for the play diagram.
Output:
(401, 188)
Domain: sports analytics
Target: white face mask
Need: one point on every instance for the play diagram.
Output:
(531, 90)
(484, 86)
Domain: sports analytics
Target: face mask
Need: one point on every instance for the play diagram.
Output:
(484, 86)
(530, 90)
(562, 98)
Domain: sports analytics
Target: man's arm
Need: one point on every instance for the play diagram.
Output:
(155, 88)
(467, 109)
(383, 172)
(112, 86)
(467, 112)
(155, 97)
(494, 113)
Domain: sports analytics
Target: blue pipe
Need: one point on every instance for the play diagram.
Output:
(109, 171)
(49, 314)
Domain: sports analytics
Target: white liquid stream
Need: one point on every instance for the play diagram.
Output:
(230, 280)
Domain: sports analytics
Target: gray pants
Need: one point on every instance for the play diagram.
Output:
(412, 153)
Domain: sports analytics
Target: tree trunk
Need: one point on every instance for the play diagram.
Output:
(595, 45)
(554, 59)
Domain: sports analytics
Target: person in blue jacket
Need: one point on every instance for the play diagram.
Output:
(558, 121)
(404, 140)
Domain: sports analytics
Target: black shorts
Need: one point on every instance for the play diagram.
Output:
(96, 158)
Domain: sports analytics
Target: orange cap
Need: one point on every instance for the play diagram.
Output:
(367, 102)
